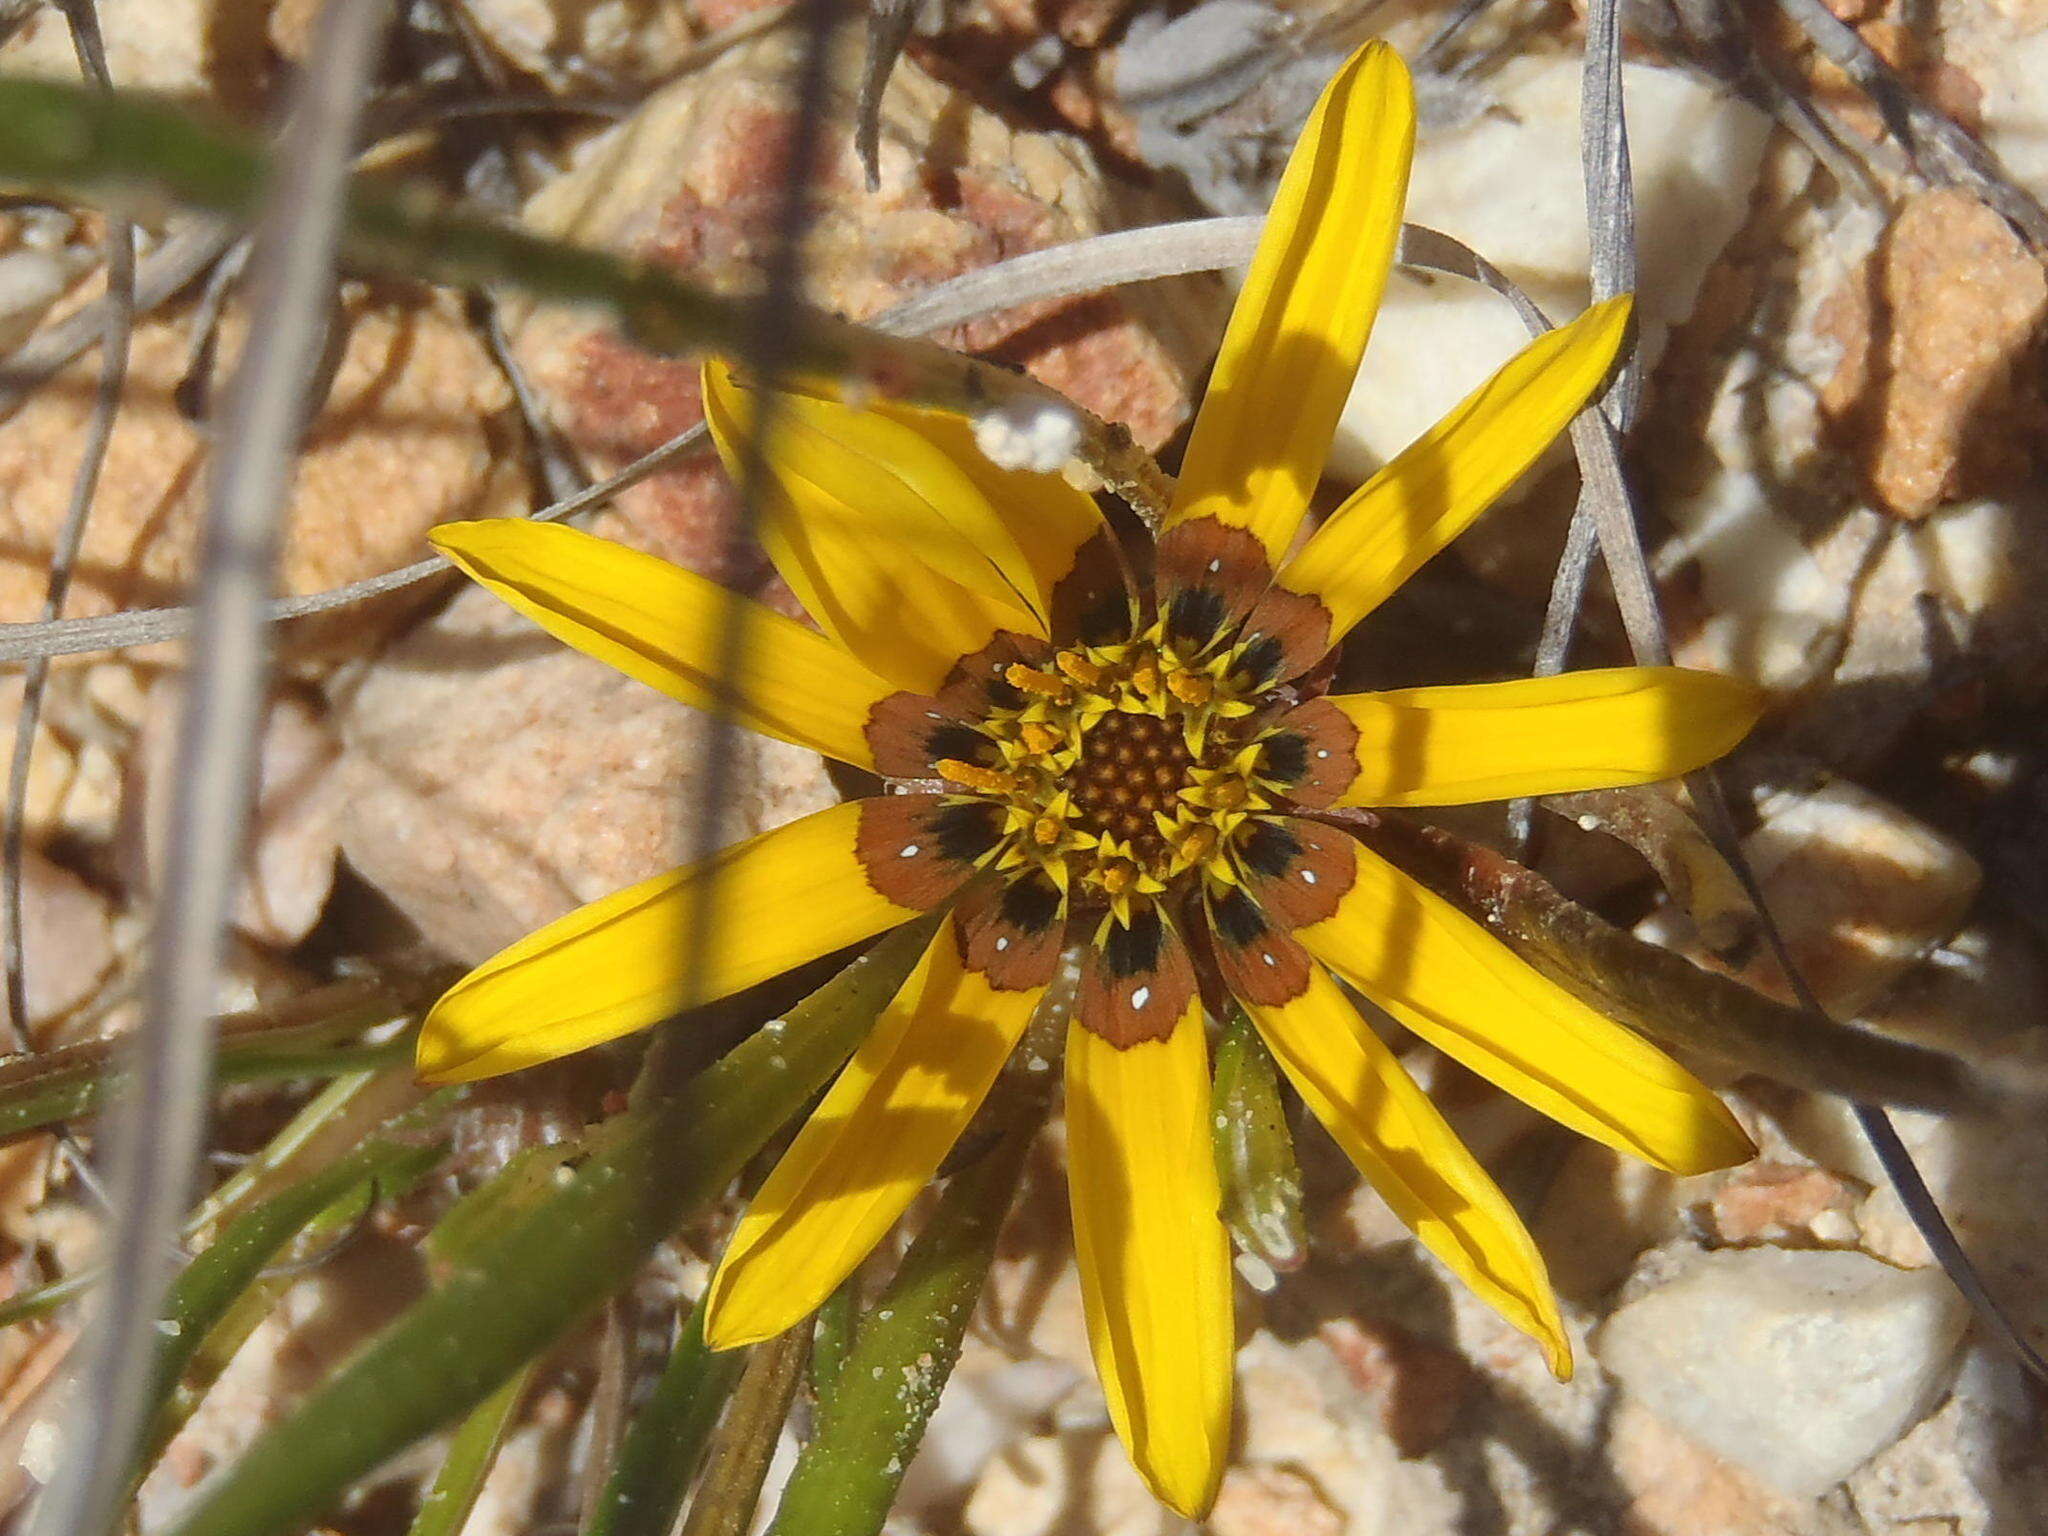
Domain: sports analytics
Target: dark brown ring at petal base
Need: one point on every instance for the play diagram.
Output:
(1312, 753)
(909, 732)
(1286, 634)
(1296, 870)
(977, 685)
(1259, 961)
(1136, 980)
(1012, 930)
(1208, 575)
(917, 850)
(1093, 604)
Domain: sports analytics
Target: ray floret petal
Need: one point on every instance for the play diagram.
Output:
(878, 1138)
(888, 543)
(1458, 987)
(1303, 316)
(1153, 1255)
(1433, 490)
(1598, 729)
(1399, 1140)
(619, 964)
(669, 628)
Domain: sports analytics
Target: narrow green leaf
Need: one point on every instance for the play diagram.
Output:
(74, 1080)
(515, 1190)
(516, 1290)
(471, 1453)
(730, 1491)
(45, 1299)
(907, 1344)
(831, 1339)
(662, 1448)
(1255, 1150)
(214, 1281)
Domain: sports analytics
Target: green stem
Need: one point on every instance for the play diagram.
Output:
(730, 1491)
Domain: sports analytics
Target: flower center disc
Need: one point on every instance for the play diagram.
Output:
(1131, 771)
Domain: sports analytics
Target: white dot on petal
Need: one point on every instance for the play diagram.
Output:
(1308, 877)
(1322, 752)
(1215, 565)
(1002, 943)
(910, 851)
(1141, 997)
(1268, 958)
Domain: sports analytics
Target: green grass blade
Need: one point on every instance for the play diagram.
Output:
(514, 1291)
(471, 1453)
(236, 1260)
(661, 1450)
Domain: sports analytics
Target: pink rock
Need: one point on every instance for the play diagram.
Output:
(692, 181)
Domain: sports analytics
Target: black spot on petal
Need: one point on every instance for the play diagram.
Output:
(1133, 950)
(1269, 849)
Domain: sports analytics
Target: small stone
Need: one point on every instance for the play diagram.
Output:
(1799, 1366)
(1937, 397)
(1675, 1487)
(1765, 1200)
(67, 938)
(416, 428)
(1861, 891)
(293, 832)
(493, 779)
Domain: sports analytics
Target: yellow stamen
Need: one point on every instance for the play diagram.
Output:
(1191, 688)
(974, 776)
(1041, 738)
(1046, 831)
(1118, 878)
(1048, 684)
(1146, 680)
(1079, 668)
(1196, 845)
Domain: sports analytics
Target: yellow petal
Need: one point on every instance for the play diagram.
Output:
(605, 970)
(1389, 1128)
(875, 1141)
(1431, 493)
(1154, 1261)
(1046, 519)
(1302, 318)
(1467, 994)
(667, 627)
(888, 545)
(1542, 735)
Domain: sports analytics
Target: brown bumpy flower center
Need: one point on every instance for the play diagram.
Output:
(1130, 774)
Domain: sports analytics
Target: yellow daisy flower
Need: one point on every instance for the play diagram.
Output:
(1130, 752)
